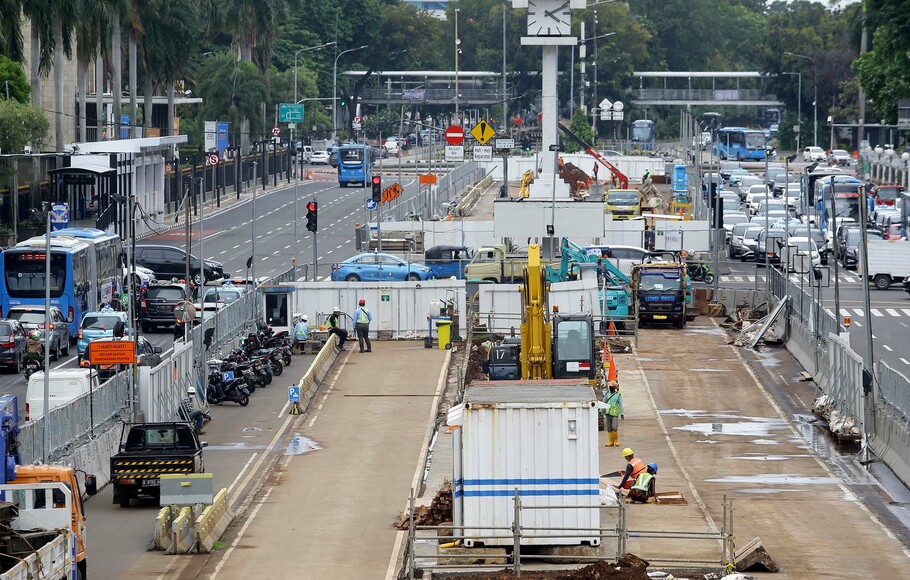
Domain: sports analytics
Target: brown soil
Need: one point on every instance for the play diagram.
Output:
(628, 567)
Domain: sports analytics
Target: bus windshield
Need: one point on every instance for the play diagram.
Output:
(642, 132)
(847, 207)
(25, 274)
(755, 140)
(352, 155)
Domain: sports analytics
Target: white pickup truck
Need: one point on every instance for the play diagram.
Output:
(889, 262)
(37, 522)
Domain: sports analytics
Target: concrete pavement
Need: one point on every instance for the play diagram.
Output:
(330, 513)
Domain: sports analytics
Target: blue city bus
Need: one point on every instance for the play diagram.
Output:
(355, 164)
(643, 136)
(740, 143)
(75, 286)
(105, 261)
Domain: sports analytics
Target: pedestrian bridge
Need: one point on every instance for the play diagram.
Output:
(717, 88)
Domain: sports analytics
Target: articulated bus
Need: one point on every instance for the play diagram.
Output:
(355, 165)
(643, 136)
(846, 191)
(85, 273)
(740, 143)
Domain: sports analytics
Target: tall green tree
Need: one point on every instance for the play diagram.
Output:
(11, 29)
(13, 83)
(884, 71)
(232, 91)
(21, 124)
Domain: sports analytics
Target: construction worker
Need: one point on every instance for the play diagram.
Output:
(301, 330)
(334, 324)
(634, 468)
(643, 488)
(595, 172)
(614, 413)
(362, 326)
(193, 415)
(646, 179)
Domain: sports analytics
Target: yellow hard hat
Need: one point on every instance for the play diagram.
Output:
(627, 452)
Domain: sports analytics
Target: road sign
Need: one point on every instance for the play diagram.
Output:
(227, 376)
(505, 143)
(391, 192)
(371, 205)
(356, 118)
(364, 118)
(483, 153)
(455, 153)
(276, 131)
(427, 178)
(60, 216)
(294, 394)
(290, 113)
(483, 132)
(212, 159)
(454, 135)
(355, 125)
(112, 352)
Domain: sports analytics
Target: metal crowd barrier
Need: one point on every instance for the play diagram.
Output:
(894, 388)
(75, 422)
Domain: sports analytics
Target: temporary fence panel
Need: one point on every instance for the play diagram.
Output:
(844, 384)
(71, 424)
(622, 233)
(404, 305)
(541, 442)
(472, 234)
(632, 166)
(162, 388)
(500, 304)
(688, 235)
(530, 218)
(891, 412)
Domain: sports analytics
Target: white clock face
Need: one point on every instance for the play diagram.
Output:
(549, 18)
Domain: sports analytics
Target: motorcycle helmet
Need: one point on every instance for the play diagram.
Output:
(34, 335)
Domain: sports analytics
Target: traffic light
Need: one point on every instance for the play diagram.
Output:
(311, 209)
(377, 189)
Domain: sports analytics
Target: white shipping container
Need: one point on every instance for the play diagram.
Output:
(540, 439)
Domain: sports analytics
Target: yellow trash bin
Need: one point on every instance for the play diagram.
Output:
(444, 331)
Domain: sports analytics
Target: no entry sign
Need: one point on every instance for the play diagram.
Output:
(454, 135)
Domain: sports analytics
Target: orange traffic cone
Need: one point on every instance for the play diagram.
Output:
(611, 330)
(612, 375)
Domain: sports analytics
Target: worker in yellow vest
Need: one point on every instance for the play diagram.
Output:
(614, 413)
(644, 487)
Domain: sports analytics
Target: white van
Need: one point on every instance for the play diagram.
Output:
(64, 387)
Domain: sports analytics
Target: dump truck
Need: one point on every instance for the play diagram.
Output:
(496, 264)
(660, 290)
(35, 487)
(146, 451)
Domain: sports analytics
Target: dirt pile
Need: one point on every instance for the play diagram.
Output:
(628, 567)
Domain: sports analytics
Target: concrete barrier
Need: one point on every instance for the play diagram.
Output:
(163, 538)
(184, 534)
(213, 521)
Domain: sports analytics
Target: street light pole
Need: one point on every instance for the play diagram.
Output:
(814, 93)
(335, 91)
(457, 42)
(799, 106)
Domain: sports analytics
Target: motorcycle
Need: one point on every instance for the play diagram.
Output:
(33, 359)
(232, 388)
(699, 272)
(266, 338)
(275, 356)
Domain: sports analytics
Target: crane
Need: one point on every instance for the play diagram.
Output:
(619, 175)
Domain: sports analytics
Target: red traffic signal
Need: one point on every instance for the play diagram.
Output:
(377, 189)
(311, 206)
(311, 209)
(377, 180)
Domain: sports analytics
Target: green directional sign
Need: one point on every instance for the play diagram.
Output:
(290, 113)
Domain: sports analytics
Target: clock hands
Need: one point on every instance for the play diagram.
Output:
(551, 13)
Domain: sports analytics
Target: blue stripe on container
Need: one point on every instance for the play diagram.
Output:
(546, 481)
(527, 492)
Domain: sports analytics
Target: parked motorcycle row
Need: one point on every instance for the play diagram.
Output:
(260, 356)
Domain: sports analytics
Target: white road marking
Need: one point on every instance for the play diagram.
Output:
(857, 324)
(905, 361)
(875, 312)
(892, 312)
(859, 312)
(235, 247)
(906, 311)
(886, 347)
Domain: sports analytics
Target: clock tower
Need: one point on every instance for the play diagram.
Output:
(549, 26)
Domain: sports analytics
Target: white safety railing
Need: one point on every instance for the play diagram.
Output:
(162, 389)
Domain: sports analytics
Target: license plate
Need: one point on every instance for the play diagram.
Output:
(660, 317)
(151, 483)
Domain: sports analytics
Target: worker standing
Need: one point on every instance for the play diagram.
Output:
(334, 324)
(595, 172)
(301, 330)
(364, 317)
(614, 413)
(634, 468)
(644, 487)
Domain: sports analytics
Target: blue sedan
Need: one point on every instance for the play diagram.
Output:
(378, 267)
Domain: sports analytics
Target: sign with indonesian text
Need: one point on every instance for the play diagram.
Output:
(111, 352)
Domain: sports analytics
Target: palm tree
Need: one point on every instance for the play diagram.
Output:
(38, 13)
(92, 35)
(65, 15)
(11, 29)
(253, 24)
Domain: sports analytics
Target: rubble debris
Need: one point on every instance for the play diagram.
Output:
(844, 427)
(627, 567)
(430, 513)
(754, 556)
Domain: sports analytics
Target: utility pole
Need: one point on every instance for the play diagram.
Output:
(45, 425)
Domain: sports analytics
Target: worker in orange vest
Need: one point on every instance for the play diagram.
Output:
(634, 467)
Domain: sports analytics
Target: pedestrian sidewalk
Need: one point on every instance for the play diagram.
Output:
(331, 513)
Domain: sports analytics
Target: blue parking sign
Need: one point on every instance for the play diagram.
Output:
(227, 376)
(294, 394)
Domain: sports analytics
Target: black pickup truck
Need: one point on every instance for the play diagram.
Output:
(148, 450)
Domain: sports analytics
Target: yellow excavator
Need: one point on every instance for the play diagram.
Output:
(553, 345)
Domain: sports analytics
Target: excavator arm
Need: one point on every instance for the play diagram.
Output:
(619, 175)
(536, 330)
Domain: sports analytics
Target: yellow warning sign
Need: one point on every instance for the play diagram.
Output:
(483, 132)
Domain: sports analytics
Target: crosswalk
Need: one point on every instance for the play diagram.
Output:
(876, 312)
(843, 278)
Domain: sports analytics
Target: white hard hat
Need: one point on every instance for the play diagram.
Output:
(191, 391)
(335, 309)
(304, 318)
